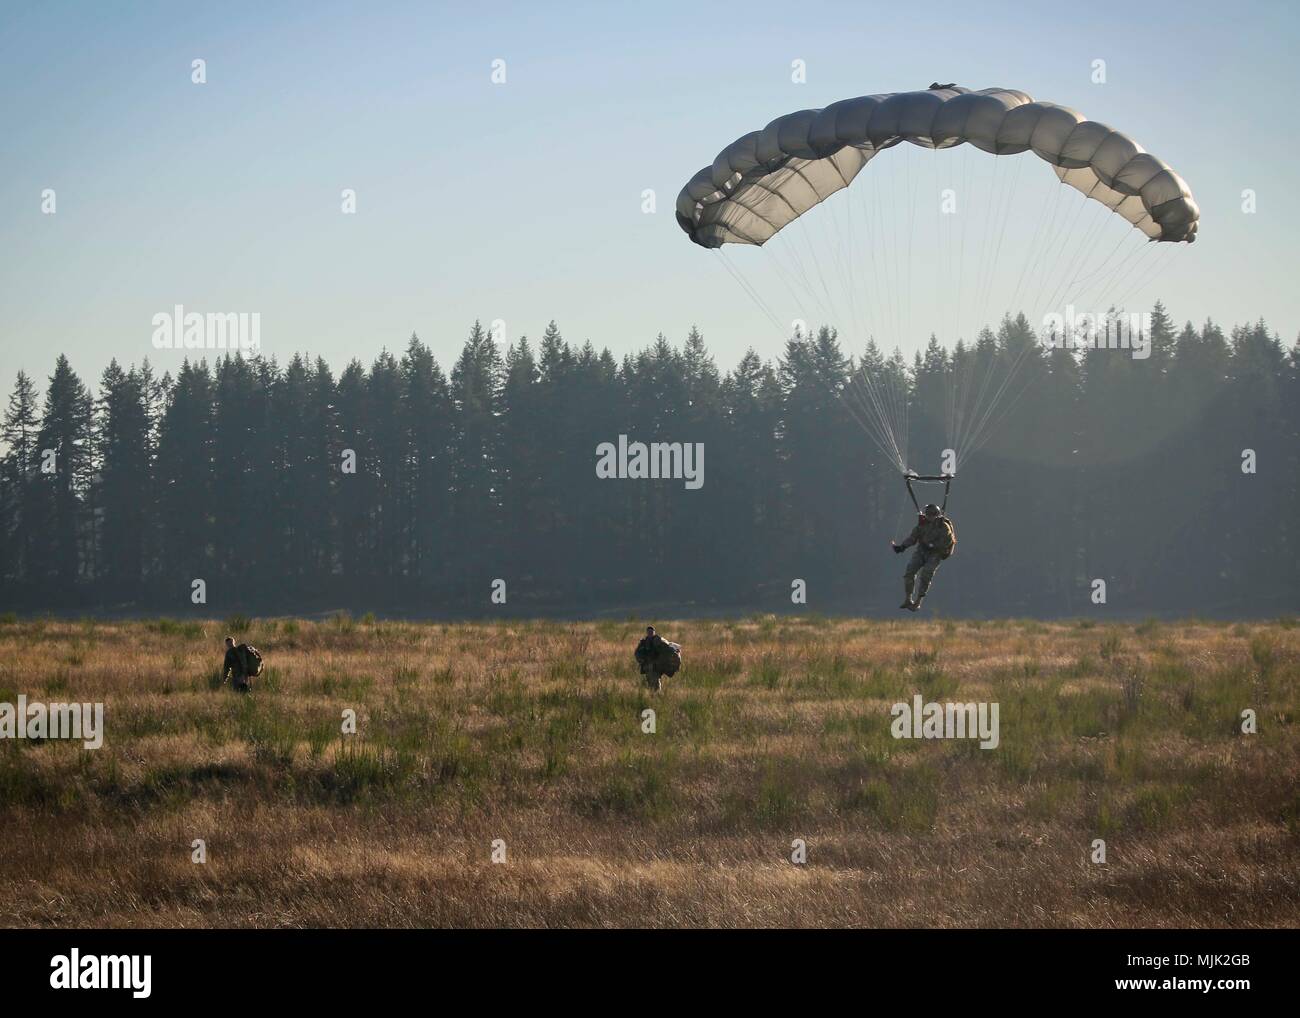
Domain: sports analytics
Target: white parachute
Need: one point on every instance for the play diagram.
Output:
(877, 265)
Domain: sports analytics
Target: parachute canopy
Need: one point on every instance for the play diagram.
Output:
(766, 179)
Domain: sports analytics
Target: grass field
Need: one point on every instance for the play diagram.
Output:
(776, 729)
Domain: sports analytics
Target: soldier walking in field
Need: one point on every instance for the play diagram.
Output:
(935, 540)
(657, 657)
(242, 663)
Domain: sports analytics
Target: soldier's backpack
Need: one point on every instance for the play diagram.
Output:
(658, 658)
(669, 658)
(251, 658)
(952, 540)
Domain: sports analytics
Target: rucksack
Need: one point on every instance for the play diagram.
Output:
(952, 537)
(252, 660)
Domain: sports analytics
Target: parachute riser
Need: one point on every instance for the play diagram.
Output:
(909, 477)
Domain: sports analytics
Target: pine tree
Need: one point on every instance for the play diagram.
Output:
(185, 485)
(124, 482)
(64, 449)
(20, 519)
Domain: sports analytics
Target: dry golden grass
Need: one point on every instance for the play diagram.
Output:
(775, 730)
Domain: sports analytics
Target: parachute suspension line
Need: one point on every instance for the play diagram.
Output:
(1150, 254)
(955, 380)
(800, 272)
(872, 388)
(881, 440)
(912, 176)
(1161, 265)
(849, 268)
(981, 265)
(880, 270)
(867, 390)
(1052, 200)
(816, 261)
(888, 285)
(991, 429)
(888, 215)
(1003, 216)
(1065, 287)
(993, 206)
(854, 385)
(791, 265)
(976, 438)
(902, 508)
(1097, 289)
(1107, 264)
(970, 411)
(986, 413)
(971, 433)
(1062, 276)
(873, 405)
(1054, 237)
(964, 384)
(877, 390)
(801, 302)
(1057, 252)
(1008, 395)
(864, 383)
(862, 309)
(901, 270)
(906, 411)
(745, 285)
(1078, 264)
(843, 259)
(950, 401)
(960, 212)
(913, 180)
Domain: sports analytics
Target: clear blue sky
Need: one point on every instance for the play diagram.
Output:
(522, 201)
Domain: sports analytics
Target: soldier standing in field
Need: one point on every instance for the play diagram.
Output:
(935, 540)
(657, 657)
(241, 663)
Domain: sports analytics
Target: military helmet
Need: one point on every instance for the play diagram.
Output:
(931, 512)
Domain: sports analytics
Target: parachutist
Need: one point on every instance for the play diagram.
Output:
(935, 540)
(768, 179)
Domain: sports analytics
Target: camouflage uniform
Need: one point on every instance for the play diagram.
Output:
(934, 543)
(236, 667)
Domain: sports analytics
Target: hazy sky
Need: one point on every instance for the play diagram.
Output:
(522, 201)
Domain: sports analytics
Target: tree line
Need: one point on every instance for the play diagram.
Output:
(404, 489)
